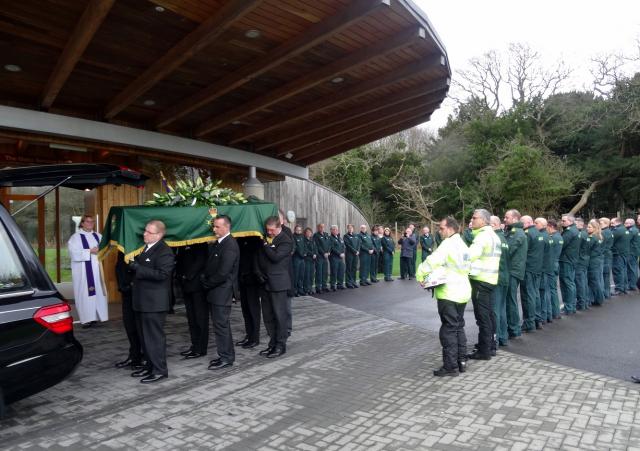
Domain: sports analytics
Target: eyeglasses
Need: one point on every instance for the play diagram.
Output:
(150, 233)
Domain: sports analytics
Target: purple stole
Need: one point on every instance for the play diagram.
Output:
(91, 285)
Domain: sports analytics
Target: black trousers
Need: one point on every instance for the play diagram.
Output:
(482, 299)
(405, 267)
(250, 303)
(275, 308)
(154, 341)
(198, 318)
(131, 327)
(221, 318)
(452, 337)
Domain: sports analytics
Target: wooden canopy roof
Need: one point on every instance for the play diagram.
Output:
(298, 80)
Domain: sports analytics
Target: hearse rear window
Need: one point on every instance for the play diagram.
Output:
(12, 275)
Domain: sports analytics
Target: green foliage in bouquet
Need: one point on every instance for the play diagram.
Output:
(189, 193)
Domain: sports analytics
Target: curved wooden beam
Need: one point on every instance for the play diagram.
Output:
(366, 87)
(91, 19)
(318, 32)
(313, 78)
(207, 32)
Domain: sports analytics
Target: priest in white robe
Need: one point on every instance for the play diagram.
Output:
(89, 295)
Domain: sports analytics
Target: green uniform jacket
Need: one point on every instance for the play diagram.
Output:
(607, 237)
(388, 245)
(467, 236)
(426, 243)
(570, 245)
(547, 260)
(621, 240)
(585, 249)
(634, 246)
(535, 250)
(352, 243)
(556, 243)
(437, 239)
(337, 245)
(310, 249)
(518, 246)
(503, 272)
(377, 244)
(298, 245)
(596, 250)
(365, 242)
(322, 242)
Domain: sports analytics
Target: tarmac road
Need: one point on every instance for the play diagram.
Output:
(604, 340)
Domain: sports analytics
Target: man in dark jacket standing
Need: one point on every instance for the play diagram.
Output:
(426, 243)
(219, 279)
(190, 262)
(152, 300)
(323, 248)
(518, 247)
(352, 245)
(366, 250)
(567, 263)
(273, 262)
(620, 250)
(407, 244)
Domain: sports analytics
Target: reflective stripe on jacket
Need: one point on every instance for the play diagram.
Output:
(453, 256)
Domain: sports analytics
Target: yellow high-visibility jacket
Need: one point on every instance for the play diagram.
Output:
(484, 252)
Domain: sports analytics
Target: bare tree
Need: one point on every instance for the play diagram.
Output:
(412, 196)
(483, 81)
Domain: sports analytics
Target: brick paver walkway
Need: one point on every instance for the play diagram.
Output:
(349, 381)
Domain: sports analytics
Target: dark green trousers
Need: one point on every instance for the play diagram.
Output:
(351, 269)
(513, 312)
(309, 269)
(387, 264)
(337, 272)
(530, 297)
(298, 275)
(365, 262)
(568, 286)
(500, 311)
(322, 269)
(373, 267)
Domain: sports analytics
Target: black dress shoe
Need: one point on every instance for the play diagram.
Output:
(441, 372)
(340, 288)
(219, 364)
(243, 341)
(539, 325)
(250, 344)
(267, 351)
(478, 356)
(139, 366)
(276, 352)
(333, 289)
(151, 378)
(141, 373)
(186, 351)
(217, 359)
(462, 367)
(193, 355)
(374, 280)
(125, 363)
(636, 379)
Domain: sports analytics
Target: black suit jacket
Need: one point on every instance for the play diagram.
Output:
(274, 260)
(190, 263)
(152, 279)
(220, 276)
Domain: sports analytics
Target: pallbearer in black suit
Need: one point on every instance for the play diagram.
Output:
(220, 279)
(249, 291)
(336, 260)
(124, 277)
(190, 263)
(152, 300)
(274, 261)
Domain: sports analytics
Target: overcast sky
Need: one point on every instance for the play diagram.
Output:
(574, 30)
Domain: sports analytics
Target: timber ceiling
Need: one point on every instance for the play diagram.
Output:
(321, 76)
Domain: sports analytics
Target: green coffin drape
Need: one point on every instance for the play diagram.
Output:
(185, 225)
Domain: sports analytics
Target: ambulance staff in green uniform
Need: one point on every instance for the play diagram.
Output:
(336, 259)
(310, 257)
(555, 242)
(298, 262)
(543, 306)
(377, 253)
(620, 250)
(594, 273)
(366, 250)
(518, 246)
(501, 290)
(388, 248)
(530, 287)
(582, 266)
(321, 240)
(567, 262)
(352, 244)
(426, 243)
(634, 252)
(607, 255)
